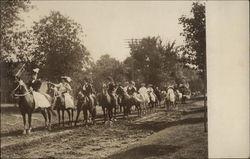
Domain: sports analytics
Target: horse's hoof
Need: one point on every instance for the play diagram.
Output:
(29, 131)
(24, 132)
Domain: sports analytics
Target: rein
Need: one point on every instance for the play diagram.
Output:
(20, 95)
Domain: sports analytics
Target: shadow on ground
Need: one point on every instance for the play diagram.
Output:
(160, 125)
(146, 151)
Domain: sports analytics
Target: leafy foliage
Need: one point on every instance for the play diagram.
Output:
(108, 66)
(154, 60)
(9, 15)
(195, 34)
(60, 50)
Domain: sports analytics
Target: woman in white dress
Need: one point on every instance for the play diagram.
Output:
(64, 90)
(41, 101)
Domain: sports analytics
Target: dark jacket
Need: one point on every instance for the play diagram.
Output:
(35, 84)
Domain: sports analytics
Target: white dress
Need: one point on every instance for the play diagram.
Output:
(65, 87)
(40, 100)
(144, 93)
(151, 94)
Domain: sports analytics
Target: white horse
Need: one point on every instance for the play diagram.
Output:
(178, 95)
(170, 98)
(144, 101)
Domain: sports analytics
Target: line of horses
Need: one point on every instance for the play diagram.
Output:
(123, 102)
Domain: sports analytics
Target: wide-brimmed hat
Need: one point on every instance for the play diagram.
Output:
(68, 79)
(35, 70)
(171, 86)
(110, 78)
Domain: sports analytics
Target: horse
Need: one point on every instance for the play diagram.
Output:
(158, 97)
(179, 96)
(85, 104)
(59, 105)
(128, 101)
(27, 106)
(108, 106)
(170, 98)
(153, 101)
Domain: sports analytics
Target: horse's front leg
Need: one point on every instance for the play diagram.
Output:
(59, 117)
(85, 114)
(104, 114)
(110, 114)
(49, 117)
(24, 124)
(77, 115)
(72, 116)
(29, 120)
(63, 117)
(94, 115)
(115, 113)
(68, 111)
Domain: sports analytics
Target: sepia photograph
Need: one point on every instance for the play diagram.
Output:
(103, 79)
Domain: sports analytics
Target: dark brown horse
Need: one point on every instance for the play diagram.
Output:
(27, 106)
(108, 106)
(128, 101)
(85, 104)
(59, 105)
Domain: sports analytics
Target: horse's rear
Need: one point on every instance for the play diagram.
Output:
(170, 98)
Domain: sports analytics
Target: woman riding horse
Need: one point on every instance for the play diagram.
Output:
(63, 100)
(108, 99)
(128, 101)
(144, 93)
(31, 99)
(152, 97)
(86, 102)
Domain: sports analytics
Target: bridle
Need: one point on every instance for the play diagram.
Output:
(21, 95)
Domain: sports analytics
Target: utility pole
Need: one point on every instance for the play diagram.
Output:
(127, 43)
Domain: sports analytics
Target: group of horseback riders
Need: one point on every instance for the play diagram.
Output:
(64, 90)
(60, 97)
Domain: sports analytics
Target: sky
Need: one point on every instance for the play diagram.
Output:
(108, 24)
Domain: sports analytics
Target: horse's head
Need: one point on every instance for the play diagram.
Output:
(52, 90)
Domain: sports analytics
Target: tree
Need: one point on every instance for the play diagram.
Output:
(195, 48)
(195, 38)
(107, 66)
(9, 15)
(154, 60)
(60, 50)
(9, 42)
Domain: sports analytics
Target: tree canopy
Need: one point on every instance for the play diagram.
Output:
(153, 59)
(60, 50)
(195, 37)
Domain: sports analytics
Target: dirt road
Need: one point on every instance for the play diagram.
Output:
(173, 134)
